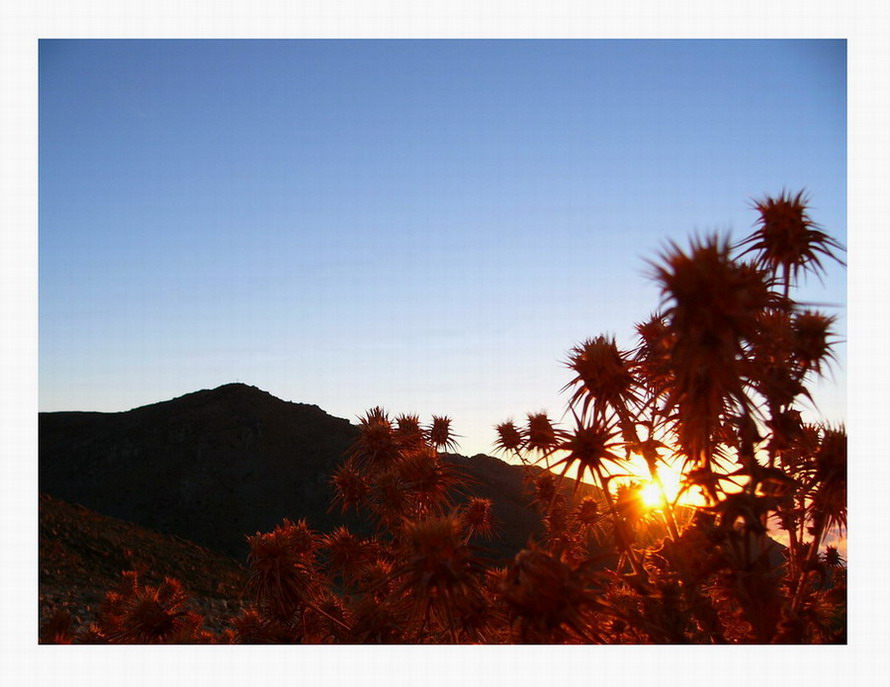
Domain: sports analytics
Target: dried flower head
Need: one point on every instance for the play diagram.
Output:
(349, 554)
(541, 435)
(812, 346)
(787, 239)
(427, 479)
(440, 434)
(376, 446)
(282, 563)
(832, 557)
(714, 306)
(829, 503)
(653, 354)
(544, 486)
(408, 432)
(143, 614)
(588, 449)
(440, 572)
(509, 437)
(588, 512)
(546, 595)
(602, 376)
(477, 518)
(351, 488)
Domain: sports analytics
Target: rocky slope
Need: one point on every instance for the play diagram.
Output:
(83, 553)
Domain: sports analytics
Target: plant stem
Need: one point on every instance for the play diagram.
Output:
(618, 524)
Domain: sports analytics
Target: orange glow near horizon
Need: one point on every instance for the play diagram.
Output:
(671, 480)
(635, 471)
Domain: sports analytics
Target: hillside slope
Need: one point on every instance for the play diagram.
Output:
(82, 555)
(215, 465)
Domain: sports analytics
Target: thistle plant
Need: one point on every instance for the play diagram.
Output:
(714, 383)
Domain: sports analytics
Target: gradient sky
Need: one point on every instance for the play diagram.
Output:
(424, 225)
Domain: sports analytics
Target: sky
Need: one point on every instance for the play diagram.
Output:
(424, 225)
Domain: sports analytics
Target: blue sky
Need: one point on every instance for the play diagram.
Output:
(424, 225)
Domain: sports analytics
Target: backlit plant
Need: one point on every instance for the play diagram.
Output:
(713, 385)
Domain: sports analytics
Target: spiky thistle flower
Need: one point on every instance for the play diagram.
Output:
(440, 572)
(510, 439)
(477, 518)
(390, 499)
(440, 435)
(144, 614)
(602, 376)
(548, 597)
(787, 239)
(349, 554)
(713, 308)
(376, 446)
(588, 449)
(652, 357)
(833, 558)
(379, 621)
(588, 512)
(408, 432)
(351, 488)
(544, 488)
(376, 580)
(283, 576)
(811, 342)
(829, 479)
(541, 434)
(771, 368)
(427, 479)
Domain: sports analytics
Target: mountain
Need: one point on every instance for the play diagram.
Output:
(216, 465)
(210, 466)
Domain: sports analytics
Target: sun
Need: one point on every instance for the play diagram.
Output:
(636, 474)
(671, 475)
(650, 493)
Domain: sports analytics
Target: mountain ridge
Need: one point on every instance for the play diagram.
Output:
(215, 465)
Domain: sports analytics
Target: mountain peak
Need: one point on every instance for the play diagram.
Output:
(238, 389)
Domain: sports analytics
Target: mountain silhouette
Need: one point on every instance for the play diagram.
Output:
(215, 465)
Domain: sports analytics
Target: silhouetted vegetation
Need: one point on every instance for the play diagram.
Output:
(714, 383)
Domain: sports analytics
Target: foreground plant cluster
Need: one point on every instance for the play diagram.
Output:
(714, 382)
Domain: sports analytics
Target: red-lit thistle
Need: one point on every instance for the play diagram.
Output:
(603, 377)
(376, 447)
(549, 599)
(284, 576)
(713, 306)
(144, 614)
(348, 553)
(812, 344)
(440, 573)
(828, 507)
(440, 434)
(787, 239)
(652, 357)
(541, 435)
(427, 480)
(476, 517)
(408, 432)
(351, 488)
(589, 449)
(510, 440)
